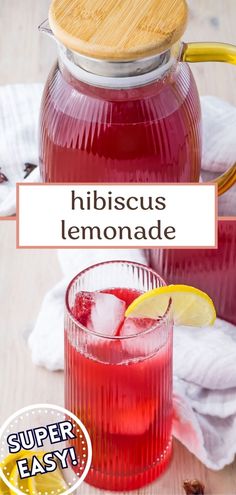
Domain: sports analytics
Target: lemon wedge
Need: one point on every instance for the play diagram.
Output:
(4, 490)
(17, 482)
(41, 483)
(47, 483)
(190, 306)
(10, 470)
(9, 462)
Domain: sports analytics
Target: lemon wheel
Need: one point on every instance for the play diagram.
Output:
(189, 306)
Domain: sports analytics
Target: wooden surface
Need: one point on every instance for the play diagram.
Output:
(26, 56)
(118, 30)
(25, 275)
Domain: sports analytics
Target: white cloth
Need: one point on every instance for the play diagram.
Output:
(19, 109)
(205, 392)
(204, 365)
(219, 146)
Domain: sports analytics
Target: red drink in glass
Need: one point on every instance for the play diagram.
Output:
(120, 385)
(150, 133)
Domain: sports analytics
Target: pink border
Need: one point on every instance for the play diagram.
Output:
(115, 184)
(7, 218)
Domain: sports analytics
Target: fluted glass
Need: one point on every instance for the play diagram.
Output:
(121, 387)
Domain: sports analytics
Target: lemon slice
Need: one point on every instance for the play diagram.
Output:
(41, 483)
(17, 482)
(190, 306)
(4, 490)
(9, 463)
(47, 483)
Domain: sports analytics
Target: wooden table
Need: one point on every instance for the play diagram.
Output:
(26, 56)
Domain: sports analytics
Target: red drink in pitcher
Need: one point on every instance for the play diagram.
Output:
(119, 378)
(146, 134)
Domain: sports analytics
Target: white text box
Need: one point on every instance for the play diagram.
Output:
(116, 215)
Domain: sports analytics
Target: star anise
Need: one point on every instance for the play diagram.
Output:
(29, 167)
(193, 487)
(3, 178)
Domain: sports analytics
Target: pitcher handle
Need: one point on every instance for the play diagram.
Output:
(213, 52)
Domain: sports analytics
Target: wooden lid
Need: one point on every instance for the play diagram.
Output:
(118, 29)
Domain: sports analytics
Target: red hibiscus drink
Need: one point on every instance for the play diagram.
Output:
(119, 374)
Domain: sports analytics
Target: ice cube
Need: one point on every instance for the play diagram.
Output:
(147, 336)
(107, 313)
(83, 306)
(134, 326)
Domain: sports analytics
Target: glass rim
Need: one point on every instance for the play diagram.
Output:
(162, 321)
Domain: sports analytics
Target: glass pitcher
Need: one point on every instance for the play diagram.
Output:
(121, 103)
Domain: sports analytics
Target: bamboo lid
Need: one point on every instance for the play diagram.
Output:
(118, 29)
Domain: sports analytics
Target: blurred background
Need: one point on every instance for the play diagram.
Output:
(26, 55)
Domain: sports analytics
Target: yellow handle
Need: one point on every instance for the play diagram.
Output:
(213, 52)
(226, 180)
(209, 52)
